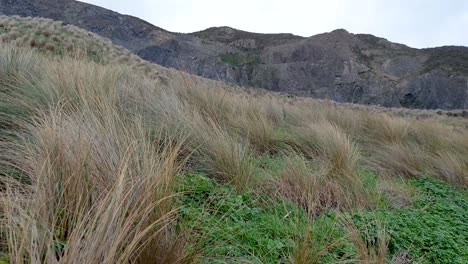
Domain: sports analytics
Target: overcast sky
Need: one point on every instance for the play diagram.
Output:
(416, 23)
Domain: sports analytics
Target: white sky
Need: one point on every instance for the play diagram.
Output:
(416, 23)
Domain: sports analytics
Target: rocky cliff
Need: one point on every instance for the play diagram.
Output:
(338, 65)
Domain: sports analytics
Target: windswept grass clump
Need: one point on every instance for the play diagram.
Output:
(223, 156)
(316, 189)
(99, 192)
(82, 181)
(387, 128)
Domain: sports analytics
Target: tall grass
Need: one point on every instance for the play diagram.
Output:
(386, 128)
(222, 155)
(100, 191)
(95, 186)
(254, 125)
(316, 189)
(89, 151)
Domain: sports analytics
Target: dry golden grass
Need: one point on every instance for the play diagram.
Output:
(91, 177)
(312, 190)
(89, 150)
(401, 159)
(329, 145)
(254, 125)
(319, 129)
(451, 167)
(221, 155)
(336, 148)
(97, 184)
(384, 128)
(447, 117)
(316, 188)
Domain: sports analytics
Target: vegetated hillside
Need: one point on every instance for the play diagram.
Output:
(101, 162)
(340, 66)
(58, 38)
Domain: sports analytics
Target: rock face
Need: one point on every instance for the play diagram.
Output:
(338, 65)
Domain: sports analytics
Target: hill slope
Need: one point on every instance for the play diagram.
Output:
(338, 65)
(108, 158)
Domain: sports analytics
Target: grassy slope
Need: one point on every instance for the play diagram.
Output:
(55, 37)
(99, 155)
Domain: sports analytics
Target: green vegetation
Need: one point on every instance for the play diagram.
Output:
(252, 227)
(102, 162)
(452, 59)
(239, 226)
(434, 228)
(238, 59)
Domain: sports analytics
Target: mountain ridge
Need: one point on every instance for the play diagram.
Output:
(338, 65)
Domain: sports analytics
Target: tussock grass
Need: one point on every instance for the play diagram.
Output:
(414, 160)
(337, 149)
(316, 189)
(328, 144)
(451, 167)
(52, 36)
(95, 186)
(254, 124)
(213, 104)
(308, 188)
(90, 149)
(432, 136)
(403, 160)
(223, 156)
(371, 241)
(100, 192)
(386, 128)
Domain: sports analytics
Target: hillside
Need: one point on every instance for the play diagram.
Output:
(58, 38)
(340, 66)
(104, 160)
